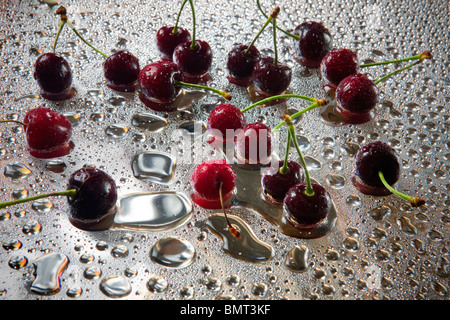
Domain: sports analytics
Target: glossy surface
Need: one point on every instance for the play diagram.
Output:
(121, 71)
(270, 78)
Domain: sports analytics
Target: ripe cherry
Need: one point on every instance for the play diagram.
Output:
(376, 169)
(276, 181)
(270, 77)
(167, 38)
(212, 180)
(337, 65)
(91, 195)
(224, 121)
(253, 144)
(313, 42)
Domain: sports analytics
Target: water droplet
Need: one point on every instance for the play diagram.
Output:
(248, 247)
(48, 270)
(312, 164)
(18, 262)
(173, 252)
(92, 272)
(191, 129)
(12, 245)
(115, 286)
(407, 226)
(350, 148)
(74, 292)
(42, 206)
(379, 213)
(259, 289)
(32, 227)
(187, 292)
(350, 243)
(149, 122)
(117, 101)
(119, 251)
(154, 166)
(157, 284)
(117, 131)
(56, 166)
(297, 258)
(335, 181)
(16, 171)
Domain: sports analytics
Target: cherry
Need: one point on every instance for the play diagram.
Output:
(376, 169)
(193, 57)
(91, 195)
(271, 78)
(54, 77)
(160, 82)
(240, 63)
(306, 204)
(213, 182)
(276, 181)
(339, 64)
(312, 44)
(253, 144)
(167, 38)
(225, 117)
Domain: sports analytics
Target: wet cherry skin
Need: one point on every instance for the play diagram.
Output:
(314, 43)
(225, 117)
(240, 64)
(253, 144)
(157, 81)
(275, 184)
(356, 97)
(371, 158)
(94, 204)
(48, 133)
(205, 182)
(270, 78)
(121, 71)
(167, 40)
(339, 64)
(193, 62)
(54, 77)
(304, 211)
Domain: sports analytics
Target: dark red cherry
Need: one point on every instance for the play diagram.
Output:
(276, 184)
(121, 71)
(225, 117)
(193, 62)
(48, 133)
(167, 40)
(157, 81)
(356, 96)
(240, 64)
(339, 64)
(304, 211)
(370, 159)
(206, 180)
(253, 144)
(314, 43)
(271, 78)
(54, 77)
(94, 204)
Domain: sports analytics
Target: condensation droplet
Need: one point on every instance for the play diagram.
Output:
(173, 252)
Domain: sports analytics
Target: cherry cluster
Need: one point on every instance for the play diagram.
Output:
(185, 62)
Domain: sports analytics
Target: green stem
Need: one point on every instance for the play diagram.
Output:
(284, 169)
(282, 30)
(415, 201)
(297, 114)
(61, 26)
(224, 94)
(193, 43)
(395, 72)
(71, 193)
(422, 56)
(309, 190)
(175, 29)
(84, 40)
(281, 96)
(274, 23)
(269, 19)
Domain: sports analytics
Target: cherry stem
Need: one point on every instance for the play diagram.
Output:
(71, 193)
(269, 19)
(396, 71)
(175, 29)
(193, 43)
(84, 40)
(282, 30)
(317, 104)
(14, 121)
(424, 55)
(280, 96)
(61, 26)
(414, 201)
(224, 94)
(291, 130)
(275, 49)
(284, 169)
(232, 229)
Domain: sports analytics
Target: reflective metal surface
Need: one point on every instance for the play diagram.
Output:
(379, 247)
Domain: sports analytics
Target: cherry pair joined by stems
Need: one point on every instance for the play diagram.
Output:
(53, 73)
(160, 83)
(312, 41)
(48, 133)
(91, 195)
(120, 69)
(377, 169)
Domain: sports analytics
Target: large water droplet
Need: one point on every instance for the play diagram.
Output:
(173, 252)
(149, 122)
(49, 269)
(297, 259)
(115, 287)
(154, 166)
(16, 171)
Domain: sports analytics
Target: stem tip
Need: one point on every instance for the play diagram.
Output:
(426, 55)
(275, 12)
(417, 201)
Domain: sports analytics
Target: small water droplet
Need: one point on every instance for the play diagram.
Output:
(115, 287)
(157, 284)
(56, 166)
(149, 122)
(117, 131)
(335, 181)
